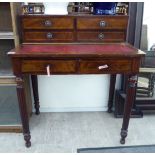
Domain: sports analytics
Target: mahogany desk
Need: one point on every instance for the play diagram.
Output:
(74, 58)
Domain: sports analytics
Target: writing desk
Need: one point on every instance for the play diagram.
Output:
(74, 58)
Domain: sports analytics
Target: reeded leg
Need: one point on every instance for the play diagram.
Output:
(35, 93)
(23, 110)
(111, 92)
(130, 97)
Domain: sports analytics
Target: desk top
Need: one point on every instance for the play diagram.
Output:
(76, 49)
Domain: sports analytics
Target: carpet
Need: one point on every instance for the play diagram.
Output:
(121, 149)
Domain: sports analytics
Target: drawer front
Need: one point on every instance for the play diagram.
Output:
(48, 36)
(55, 66)
(101, 36)
(105, 66)
(48, 23)
(102, 23)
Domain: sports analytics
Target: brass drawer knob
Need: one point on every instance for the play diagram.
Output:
(102, 23)
(103, 67)
(101, 36)
(49, 35)
(48, 23)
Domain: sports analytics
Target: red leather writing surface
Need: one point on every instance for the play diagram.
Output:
(112, 49)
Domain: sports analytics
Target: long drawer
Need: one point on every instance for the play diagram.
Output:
(54, 66)
(48, 36)
(104, 22)
(101, 36)
(104, 66)
(70, 66)
(48, 23)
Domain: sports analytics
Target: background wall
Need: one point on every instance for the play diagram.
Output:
(73, 92)
(149, 25)
(60, 93)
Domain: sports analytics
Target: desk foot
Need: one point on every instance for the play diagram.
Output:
(27, 138)
(109, 110)
(123, 136)
(122, 141)
(37, 108)
(37, 112)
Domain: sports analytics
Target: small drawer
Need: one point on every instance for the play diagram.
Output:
(48, 36)
(105, 66)
(101, 36)
(55, 66)
(109, 22)
(47, 23)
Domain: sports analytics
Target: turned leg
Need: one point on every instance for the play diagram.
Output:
(130, 98)
(35, 93)
(111, 92)
(23, 110)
